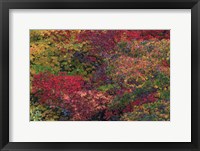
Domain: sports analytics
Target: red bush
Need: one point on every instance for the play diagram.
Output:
(51, 88)
(67, 92)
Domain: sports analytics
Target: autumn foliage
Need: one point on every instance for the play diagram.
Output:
(100, 75)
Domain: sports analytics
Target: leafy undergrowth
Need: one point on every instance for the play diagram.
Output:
(100, 75)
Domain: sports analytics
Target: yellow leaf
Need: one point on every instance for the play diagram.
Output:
(155, 86)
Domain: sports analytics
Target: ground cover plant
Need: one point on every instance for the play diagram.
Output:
(99, 75)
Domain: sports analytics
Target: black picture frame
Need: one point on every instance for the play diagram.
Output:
(5, 5)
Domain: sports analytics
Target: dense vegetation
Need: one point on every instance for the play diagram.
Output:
(100, 75)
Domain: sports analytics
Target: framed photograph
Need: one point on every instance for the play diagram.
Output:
(99, 75)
